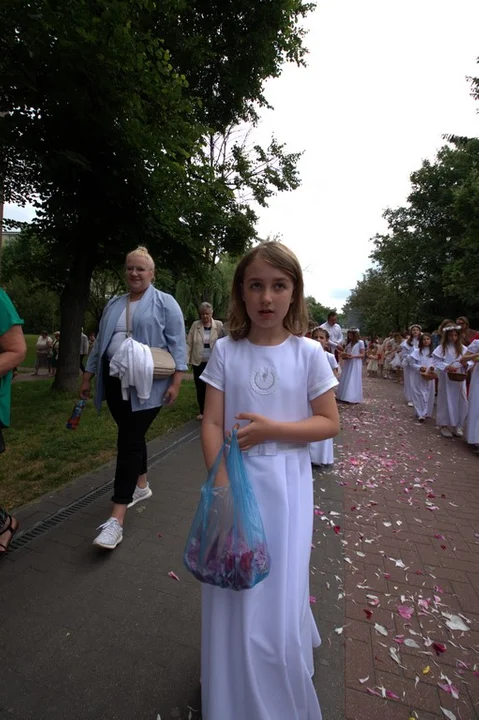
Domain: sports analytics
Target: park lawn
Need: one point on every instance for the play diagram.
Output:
(42, 455)
(31, 341)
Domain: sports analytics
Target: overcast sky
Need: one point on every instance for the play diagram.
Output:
(386, 79)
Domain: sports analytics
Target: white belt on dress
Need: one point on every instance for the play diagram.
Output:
(276, 448)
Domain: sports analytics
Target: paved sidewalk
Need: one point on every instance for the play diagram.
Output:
(410, 535)
(91, 635)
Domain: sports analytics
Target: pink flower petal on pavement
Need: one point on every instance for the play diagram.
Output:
(449, 688)
(173, 576)
(439, 648)
(392, 695)
(405, 612)
(371, 691)
(312, 600)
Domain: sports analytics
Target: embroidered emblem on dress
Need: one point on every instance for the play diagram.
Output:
(264, 380)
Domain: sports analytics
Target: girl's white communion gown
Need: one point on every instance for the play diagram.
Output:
(257, 645)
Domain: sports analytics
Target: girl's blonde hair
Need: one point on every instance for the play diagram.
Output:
(142, 252)
(282, 258)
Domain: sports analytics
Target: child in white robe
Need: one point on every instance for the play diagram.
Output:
(372, 355)
(257, 644)
(422, 389)
(407, 346)
(472, 424)
(322, 452)
(350, 388)
(451, 411)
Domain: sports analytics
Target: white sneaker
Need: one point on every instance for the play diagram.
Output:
(445, 432)
(111, 535)
(421, 419)
(410, 404)
(141, 494)
(458, 432)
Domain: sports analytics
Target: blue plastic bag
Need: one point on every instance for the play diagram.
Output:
(227, 546)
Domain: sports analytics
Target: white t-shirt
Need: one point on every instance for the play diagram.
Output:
(120, 331)
(277, 381)
(332, 360)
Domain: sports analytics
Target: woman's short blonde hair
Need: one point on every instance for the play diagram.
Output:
(281, 257)
(142, 252)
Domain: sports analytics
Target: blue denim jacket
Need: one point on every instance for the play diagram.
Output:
(157, 322)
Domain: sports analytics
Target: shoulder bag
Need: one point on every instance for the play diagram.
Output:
(163, 362)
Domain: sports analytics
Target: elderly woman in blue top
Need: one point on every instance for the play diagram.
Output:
(156, 321)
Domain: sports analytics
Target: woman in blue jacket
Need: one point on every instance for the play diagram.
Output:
(156, 321)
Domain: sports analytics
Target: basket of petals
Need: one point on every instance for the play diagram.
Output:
(456, 375)
(429, 374)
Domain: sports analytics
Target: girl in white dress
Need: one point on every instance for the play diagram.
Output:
(322, 452)
(472, 425)
(372, 355)
(407, 346)
(257, 645)
(422, 390)
(350, 387)
(451, 409)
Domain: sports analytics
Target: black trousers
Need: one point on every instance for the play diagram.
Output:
(131, 459)
(200, 386)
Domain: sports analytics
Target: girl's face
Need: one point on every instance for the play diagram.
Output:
(426, 341)
(320, 337)
(415, 332)
(267, 292)
(452, 336)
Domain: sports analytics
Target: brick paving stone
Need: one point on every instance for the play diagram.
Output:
(404, 485)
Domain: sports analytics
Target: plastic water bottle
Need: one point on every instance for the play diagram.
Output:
(74, 419)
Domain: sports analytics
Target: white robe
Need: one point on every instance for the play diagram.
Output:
(322, 452)
(472, 425)
(351, 381)
(422, 391)
(257, 645)
(406, 350)
(451, 408)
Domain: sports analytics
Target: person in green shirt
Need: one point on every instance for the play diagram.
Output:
(12, 352)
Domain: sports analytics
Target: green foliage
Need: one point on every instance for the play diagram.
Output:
(317, 312)
(105, 109)
(427, 265)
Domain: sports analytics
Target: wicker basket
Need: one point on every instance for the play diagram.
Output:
(428, 376)
(456, 376)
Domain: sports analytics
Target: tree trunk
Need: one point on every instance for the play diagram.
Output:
(73, 304)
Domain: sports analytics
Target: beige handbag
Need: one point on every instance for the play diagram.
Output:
(163, 361)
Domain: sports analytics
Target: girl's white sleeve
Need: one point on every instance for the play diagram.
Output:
(320, 376)
(438, 359)
(214, 372)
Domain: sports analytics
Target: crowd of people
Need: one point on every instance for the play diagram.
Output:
(437, 371)
(276, 381)
(47, 351)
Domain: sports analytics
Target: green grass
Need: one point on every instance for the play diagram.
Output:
(29, 361)
(42, 455)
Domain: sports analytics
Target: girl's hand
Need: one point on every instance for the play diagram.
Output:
(257, 432)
